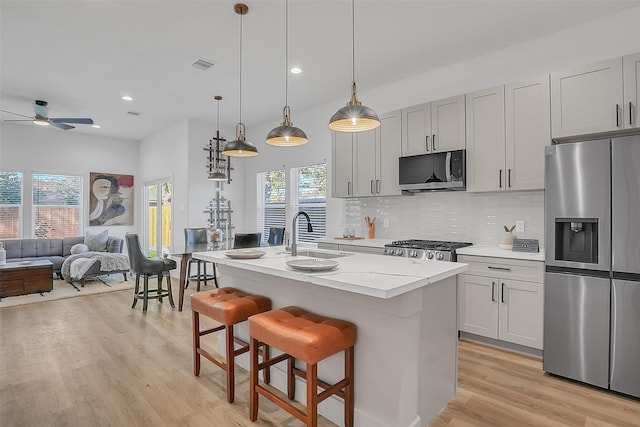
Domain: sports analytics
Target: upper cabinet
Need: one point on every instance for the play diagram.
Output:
(507, 129)
(631, 75)
(342, 161)
(434, 127)
(587, 99)
(366, 163)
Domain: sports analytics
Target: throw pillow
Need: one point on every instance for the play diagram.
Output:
(97, 242)
(79, 248)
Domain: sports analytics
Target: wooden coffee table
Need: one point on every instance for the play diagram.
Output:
(20, 278)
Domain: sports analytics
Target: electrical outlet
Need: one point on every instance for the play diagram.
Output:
(385, 223)
(520, 226)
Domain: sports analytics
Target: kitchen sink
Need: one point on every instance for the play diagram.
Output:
(322, 254)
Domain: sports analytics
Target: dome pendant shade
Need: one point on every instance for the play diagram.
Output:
(217, 175)
(240, 147)
(286, 135)
(354, 117)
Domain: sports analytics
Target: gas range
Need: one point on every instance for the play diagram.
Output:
(425, 249)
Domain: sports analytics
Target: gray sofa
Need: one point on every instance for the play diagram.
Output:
(55, 250)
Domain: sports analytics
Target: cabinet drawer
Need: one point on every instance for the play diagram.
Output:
(529, 271)
(9, 288)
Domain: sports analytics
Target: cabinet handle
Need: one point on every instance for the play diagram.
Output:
(502, 293)
(499, 268)
(500, 178)
(348, 188)
(509, 177)
(426, 142)
(493, 291)
(377, 186)
(630, 114)
(372, 188)
(433, 142)
(617, 115)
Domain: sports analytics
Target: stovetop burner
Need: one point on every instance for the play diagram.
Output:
(429, 244)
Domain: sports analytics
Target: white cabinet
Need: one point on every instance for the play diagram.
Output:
(587, 99)
(507, 129)
(376, 250)
(434, 127)
(631, 75)
(485, 140)
(342, 162)
(502, 299)
(366, 163)
(388, 140)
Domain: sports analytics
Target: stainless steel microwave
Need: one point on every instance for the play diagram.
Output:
(430, 172)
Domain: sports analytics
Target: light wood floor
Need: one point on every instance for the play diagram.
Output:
(93, 361)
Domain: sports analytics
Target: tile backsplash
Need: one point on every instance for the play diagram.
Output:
(456, 216)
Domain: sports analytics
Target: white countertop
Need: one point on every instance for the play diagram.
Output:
(365, 274)
(373, 243)
(494, 251)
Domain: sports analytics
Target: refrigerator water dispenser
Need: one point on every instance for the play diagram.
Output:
(577, 240)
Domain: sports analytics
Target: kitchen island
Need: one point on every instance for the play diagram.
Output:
(405, 312)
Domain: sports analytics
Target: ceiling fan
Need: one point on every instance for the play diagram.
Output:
(42, 117)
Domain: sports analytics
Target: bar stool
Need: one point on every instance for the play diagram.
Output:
(228, 306)
(310, 338)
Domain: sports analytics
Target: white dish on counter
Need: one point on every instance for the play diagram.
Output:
(313, 264)
(245, 254)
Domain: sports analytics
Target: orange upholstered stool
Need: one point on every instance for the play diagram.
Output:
(228, 306)
(309, 338)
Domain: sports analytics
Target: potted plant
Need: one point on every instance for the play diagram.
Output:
(507, 238)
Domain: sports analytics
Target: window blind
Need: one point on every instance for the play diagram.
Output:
(10, 205)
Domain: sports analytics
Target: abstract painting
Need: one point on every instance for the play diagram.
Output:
(110, 199)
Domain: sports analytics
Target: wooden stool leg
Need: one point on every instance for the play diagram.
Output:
(160, 277)
(266, 355)
(349, 401)
(135, 291)
(145, 293)
(312, 395)
(291, 378)
(231, 364)
(198, 279)
(215, 276)
(196, 343)
(253, 379)
(170, 291)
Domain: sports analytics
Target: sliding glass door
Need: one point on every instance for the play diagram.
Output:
(157, 218)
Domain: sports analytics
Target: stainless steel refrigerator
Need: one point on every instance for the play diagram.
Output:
(592, 278)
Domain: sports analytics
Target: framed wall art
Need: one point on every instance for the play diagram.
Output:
(110, 199)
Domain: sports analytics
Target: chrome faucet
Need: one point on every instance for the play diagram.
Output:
(294, 244)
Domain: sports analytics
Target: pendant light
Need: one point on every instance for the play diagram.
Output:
(354, 117)
(286, 135)
(240, 147)
(215, 171)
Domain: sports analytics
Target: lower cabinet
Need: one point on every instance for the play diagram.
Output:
(502, 299)
(352, 248)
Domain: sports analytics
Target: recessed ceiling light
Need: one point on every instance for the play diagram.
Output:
(127, 98)
(296, 70)
(96, 126)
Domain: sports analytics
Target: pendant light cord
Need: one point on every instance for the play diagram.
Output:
(353, 40)
(241, 14)
(286, 54)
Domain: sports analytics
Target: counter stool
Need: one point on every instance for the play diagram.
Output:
(228, 306)
(310, 338)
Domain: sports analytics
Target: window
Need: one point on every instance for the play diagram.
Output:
(271, 201)
(309, 194)
(10, 205)
(157, 220)
(57, 205)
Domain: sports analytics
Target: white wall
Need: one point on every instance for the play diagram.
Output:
(33, 149)
(613, 36)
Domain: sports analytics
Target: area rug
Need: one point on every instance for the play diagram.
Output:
(63, 289)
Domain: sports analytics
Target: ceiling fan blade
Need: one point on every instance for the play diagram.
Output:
(83, 121)
(22, 115)
(61, 125)
(18, 120)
